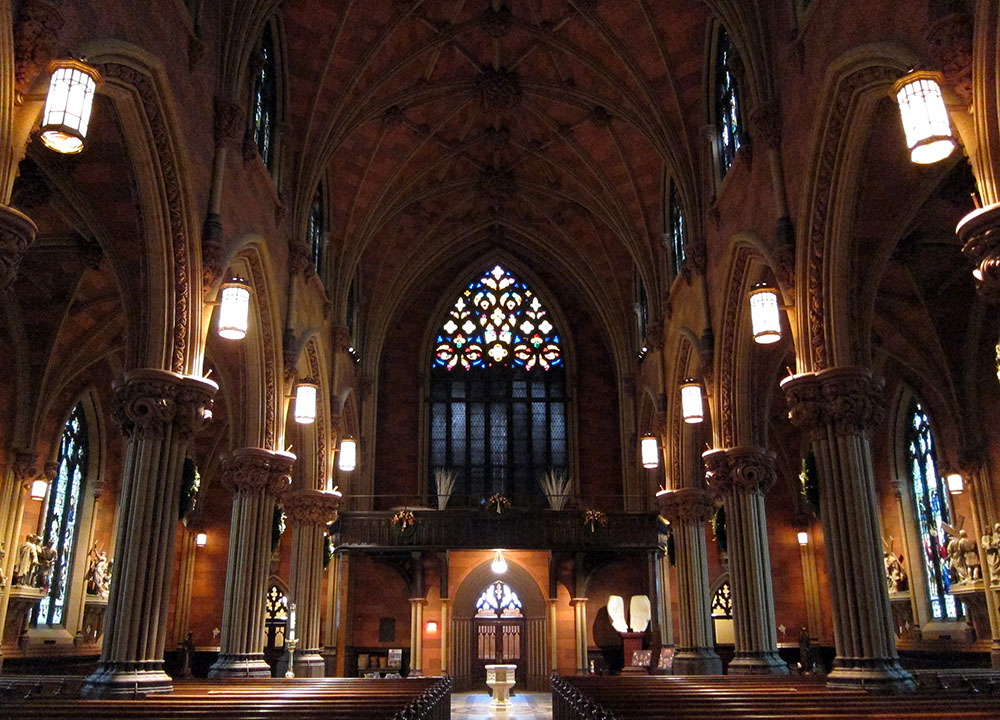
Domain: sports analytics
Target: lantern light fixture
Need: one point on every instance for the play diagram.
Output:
(803, 537)
(234, 309)
(692, 403)
(306, 392)
(68, 104)
(956, 483)
(765, 315)
(499, 564)
(649, 452)
(201, 539)
(924, 116)
(432, 627)
(348, 459)
(39, 488)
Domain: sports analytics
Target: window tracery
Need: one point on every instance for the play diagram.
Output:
(498, 600)
(317, 227)
(728, 123)
(265, 99)
(677, 228)
(722, 602)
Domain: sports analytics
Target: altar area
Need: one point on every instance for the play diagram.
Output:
(524, 706)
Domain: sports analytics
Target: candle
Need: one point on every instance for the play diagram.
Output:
(291, 622)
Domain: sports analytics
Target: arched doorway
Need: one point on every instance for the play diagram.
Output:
(488, 629)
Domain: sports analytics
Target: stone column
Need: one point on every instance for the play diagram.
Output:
(741, 477)
(445, 635)
(838, 407)
(15, 487)
(308, 513)
(416, 636)
(159, 412)
(16, 232)
(687, 510)
(579, 605)
(553, 605)
(257, 476)
(185, 581)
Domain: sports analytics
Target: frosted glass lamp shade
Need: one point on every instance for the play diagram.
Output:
(305, 401)
(956, 484)
(803, 538)
(234, 310)
(348, 459)
(924, 116)
(70, 99)
(201, 539)
(649, 451)
(765, 315)
(692, 405)
(39, 487)
(499, 564)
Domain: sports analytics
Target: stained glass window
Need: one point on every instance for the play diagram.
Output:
(677, 232)
(61, 518)
(265, 100)
(501, 423)
(931, 503)
(498, 320)
(498, 600)
(727, 105)
(722, 602)
(317, 228)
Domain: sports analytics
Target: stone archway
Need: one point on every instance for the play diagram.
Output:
(532, 608)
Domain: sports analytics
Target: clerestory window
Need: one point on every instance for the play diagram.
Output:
(728, 124)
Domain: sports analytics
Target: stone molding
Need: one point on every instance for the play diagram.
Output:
(228, 121)
(693, 505)
(311, 507)
(147, 401)
(739, 470)
(848, 398)
(765, 123)
(979, 232)
(253, 470)
(24, 467)
(16, 232)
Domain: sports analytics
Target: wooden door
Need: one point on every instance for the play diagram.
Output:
(498, 642)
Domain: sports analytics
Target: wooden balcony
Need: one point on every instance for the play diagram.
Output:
(512, 530)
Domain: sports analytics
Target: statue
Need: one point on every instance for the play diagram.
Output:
(963, 554)
(991, 546)
(187, 649)
(895, 575)
(3, 576)
(27, 561)
(46, 565)
(98, 573)
(805, 652)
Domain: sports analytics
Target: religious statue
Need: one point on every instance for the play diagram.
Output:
(187, 651)
(98, 573)
(991, 546)
(963, 554)
(27, 561)
(46, 565)
(895, 575)
(805, 652)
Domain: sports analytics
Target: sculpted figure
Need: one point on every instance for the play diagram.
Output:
(895, 575)
(991, 546)
(98, 573)
(27, 561)
(3, 577)
(970, 554)
(46, 565)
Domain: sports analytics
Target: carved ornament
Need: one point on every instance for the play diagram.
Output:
(980, 233)
(498, 88)
(950, 42)
(688, 505)
(300, 260)
(24, 467)
(495, 23)
(148, 401)
(849, 399)
(16, 233)
(256, 470)
(739, 470)
(340, 335)
(311, 507)
(36, 34)
(228, 120)
(765, 123)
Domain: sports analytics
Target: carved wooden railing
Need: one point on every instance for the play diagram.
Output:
(513, 529)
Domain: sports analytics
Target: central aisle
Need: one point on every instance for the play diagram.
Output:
(476, 706)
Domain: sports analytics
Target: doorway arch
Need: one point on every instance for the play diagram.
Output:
(463, 643)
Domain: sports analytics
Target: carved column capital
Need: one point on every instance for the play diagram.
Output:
(300, 260)
(147, 401)
(16, 232)
(24, 467)
(765, 122)
(692, 505)
(36, 34)
(51, 471)
(950, 41)
(228, 121)
(311, 507)
(340, 335)
(739, 469)
(980, 233)
(251, 470)
(213, 251)
(848, 398)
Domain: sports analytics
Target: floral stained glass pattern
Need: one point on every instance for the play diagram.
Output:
(498, 321)
(498, 600)
(930, 499)
(62, 515)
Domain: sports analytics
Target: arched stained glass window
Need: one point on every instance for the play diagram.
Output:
(677, 230)
(727, 105)
(498, 600)
(722, 602)
(931, 505)
(317, 227)
(61, 519)
(497, 393)
(265, 99)
(498, 320)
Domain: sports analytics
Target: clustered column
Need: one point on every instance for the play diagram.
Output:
(257, 476)
(159, 412)
(838, 407)
(579, 605)
(417, 636)
(308, 512)
(741, 476)
(687, 510)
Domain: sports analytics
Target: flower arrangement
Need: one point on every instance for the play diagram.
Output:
(555, 485)
(498, 502)
(594, 519)
(403, 520)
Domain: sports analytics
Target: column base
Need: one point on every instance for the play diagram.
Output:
(761, 663)
(873, 675)
(697, 661)
(127, 680)
(307, 664)
(994, 655)
(241, 665)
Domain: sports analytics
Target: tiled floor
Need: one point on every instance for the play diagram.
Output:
(476, 706)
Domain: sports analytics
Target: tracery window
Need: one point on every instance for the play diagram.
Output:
(727, 106)
(61, 518)
(317, 228)
(722, 602)
(498, 600)
(641, 311)
(498, 392)
(931, 504)
(265, 99)
(677, 229)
